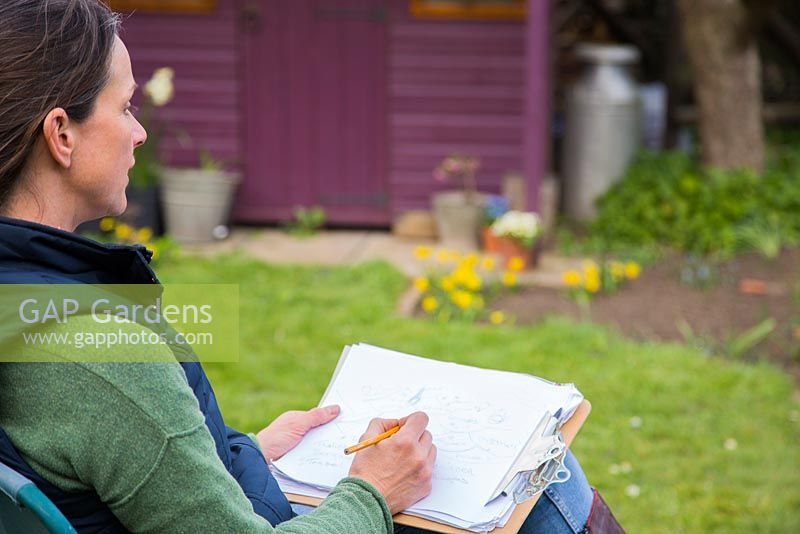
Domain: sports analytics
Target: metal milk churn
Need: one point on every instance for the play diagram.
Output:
(602, 126)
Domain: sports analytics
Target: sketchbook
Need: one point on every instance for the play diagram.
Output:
(496, 433)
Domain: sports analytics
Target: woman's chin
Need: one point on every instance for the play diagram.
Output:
(119, 207)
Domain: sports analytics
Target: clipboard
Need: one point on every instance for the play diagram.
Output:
(569, 429)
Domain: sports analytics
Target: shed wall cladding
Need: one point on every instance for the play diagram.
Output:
(454, 86)
(203, 51)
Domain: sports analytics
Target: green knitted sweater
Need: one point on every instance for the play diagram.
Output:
(133, 432)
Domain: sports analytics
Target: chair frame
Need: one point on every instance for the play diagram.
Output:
(26, 496)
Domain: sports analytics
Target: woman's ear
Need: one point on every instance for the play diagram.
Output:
(59, 137)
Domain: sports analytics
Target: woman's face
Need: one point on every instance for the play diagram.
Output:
(105, 142)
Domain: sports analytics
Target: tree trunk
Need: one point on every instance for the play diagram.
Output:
(723, 54)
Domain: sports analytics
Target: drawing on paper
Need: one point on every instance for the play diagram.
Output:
(470, 429)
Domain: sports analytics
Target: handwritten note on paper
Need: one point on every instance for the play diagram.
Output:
(479, 418)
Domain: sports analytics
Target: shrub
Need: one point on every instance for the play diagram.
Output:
(668, 199)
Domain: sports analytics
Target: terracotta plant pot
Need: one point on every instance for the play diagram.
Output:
(489, 241)
(507, 248)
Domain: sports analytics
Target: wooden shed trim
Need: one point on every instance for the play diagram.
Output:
(467, 11)
(164, 6)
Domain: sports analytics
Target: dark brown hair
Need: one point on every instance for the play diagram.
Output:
(53, 53)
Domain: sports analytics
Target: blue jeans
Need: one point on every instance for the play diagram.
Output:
(562, 508)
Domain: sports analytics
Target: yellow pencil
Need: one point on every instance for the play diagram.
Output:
(372, 441)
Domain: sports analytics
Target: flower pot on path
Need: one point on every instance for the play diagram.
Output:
(508, 247)
(196, 201)
(489, 241)
(458, 221)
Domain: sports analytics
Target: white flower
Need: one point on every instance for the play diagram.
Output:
(522, 225)
(794, 416)
(633, 491)
(160, 88)
(730, 444)
(636, 422)
(613, 469)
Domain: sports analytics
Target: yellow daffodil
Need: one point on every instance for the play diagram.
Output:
(509, 279)
(462, 299)
(430, 304)
(107, 224)
(632, 270)
(590, 268)
(617, 270)
(592, 284)
(144, 235)
(421, 284)
(464, 276)
(473, 282)
(422, 253)
(487, 264)
(516, 264)
(571, 278)
(447, 284)
(497, 317)
(123, 231)
(470, 260)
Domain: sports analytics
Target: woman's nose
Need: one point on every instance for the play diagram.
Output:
(139, 135)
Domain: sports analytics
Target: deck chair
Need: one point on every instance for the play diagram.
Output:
(24, 509)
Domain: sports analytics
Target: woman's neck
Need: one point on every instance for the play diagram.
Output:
(51, 208)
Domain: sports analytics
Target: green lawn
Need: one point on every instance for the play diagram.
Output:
(295, 321)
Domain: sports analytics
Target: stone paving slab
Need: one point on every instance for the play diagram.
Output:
(351, 247)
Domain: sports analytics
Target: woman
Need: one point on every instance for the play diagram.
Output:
(143, 447)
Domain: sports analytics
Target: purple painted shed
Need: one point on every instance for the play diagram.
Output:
(349, 104)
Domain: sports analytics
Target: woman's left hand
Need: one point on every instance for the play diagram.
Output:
(285, 432)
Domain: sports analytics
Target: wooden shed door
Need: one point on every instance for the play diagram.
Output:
(315, 110)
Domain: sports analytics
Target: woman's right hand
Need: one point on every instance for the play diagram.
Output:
(399, 467)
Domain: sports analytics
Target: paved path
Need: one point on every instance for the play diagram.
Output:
(350, 247)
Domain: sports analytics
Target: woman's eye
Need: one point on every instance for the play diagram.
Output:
(131, 108)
